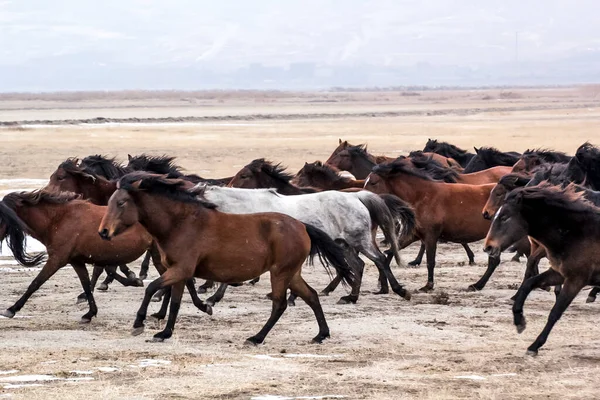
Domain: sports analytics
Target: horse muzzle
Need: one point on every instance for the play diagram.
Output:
(492, 251)
(104, 234)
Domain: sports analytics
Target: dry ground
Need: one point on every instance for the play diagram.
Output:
(383, 347)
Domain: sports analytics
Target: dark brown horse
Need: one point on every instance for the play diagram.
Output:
(568, 226)
(445, 211)
(448, 150)
(66, 226)
(197, 240)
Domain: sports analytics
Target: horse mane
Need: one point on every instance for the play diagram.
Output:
(359, 150)
(330, 172)
(275, 171)
(157, 164)
(443, 148)
(172, 188)
(568, 198)
(432, 167)
(15, 199)
(70, 166)
(104, 166)
(554, 173)
(548, 155)
(493, 156)
(512, 181)
(588, 156)
(401, 165)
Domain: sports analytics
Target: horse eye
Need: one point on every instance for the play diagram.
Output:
(61, 178)
(121, 203)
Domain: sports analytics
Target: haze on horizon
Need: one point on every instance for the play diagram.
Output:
(196, 44)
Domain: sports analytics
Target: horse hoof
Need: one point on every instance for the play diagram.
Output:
(319, 338)
(382, 291)
(82, 298)
(252, 341)
(85, 320)
(414, 264)
(291, 303)
(7, 314)
(348, 300)
(103, 287)
(201, 290)
(138, 282)
(407, 296)
(590, 299)
(473, 288)
(155, 340)
(531, 353)
(472, 263)
(426, 289)
(137, 331)
(324, 293)
(157, 316)
(208, 309)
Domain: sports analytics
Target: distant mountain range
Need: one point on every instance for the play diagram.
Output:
(293, 44)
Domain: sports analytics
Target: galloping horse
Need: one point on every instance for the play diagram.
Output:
(488, 157)
(324, 177)
(66, 226)
(448, 150)
(568, 226)
(197, 240)
(445, 211)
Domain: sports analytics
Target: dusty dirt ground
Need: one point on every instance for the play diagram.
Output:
(447, 344)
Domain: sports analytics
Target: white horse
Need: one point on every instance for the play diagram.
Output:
(350, 218)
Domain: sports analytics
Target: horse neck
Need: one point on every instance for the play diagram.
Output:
(361, 167)
(334, 184)
(290, 190)
(40, 218)
(99, 192)
(411, 188)
(161, 215)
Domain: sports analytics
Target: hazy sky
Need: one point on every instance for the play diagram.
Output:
(225, 34)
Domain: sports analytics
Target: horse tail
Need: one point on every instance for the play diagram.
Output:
(330, 254)
(383, 209)
(16, 238)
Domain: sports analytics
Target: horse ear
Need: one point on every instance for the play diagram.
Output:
(476, 149)
(76, 161)
(339, 141)
(129, 158)
(136, 185)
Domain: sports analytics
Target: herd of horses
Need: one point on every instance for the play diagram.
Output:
(540, 203)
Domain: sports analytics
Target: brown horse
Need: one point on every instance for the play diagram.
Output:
(75, 178)
(197, 240)
(447, 212)
(568, 226)
(66, 226)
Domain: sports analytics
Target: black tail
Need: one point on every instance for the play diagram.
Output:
(15, 237)
(330, 253)
(403, 213)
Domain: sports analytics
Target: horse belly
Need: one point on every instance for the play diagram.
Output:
(122, 249)
(233, 265)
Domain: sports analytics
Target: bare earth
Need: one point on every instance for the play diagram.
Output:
(448, 344)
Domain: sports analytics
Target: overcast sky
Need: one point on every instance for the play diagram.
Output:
(228, 34)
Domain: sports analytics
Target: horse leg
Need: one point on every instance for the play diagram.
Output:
(470, 254)
(373, 254)
(430, 248)
(162, 313)
(127, 272)
(550, 277)
(218, 295)
(254, 281)
(570, 289)
(201, 305)
(125, 281)
(310, 297)
(532, 265)
(138, 325)
(84, 278)
(96, 272)
(417, 261)
(493, 263)
(52, 265)
(145, 265)
(592, 295)
(176, 295)
(278, 291)
(359, 265)
(205, 286)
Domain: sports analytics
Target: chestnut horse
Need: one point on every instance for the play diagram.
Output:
(66, 226)
(568, 226)
(445, 211)
(197, 240)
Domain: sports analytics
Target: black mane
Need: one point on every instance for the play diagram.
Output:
(448, 150)
(16, 199)
(549, 156)
(567, 199)
(488, 157)
(327, 171)
(433, 168)
(275, 171)
(164, 165)
(103, 166)
(173, 188)
(401, 165)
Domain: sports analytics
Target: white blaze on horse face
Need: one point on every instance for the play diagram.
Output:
(497, 213)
